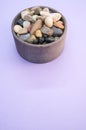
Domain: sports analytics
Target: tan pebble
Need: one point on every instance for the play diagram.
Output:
(17, 28)
(38, 33)
(48, 21)
(34, 17)
(24, 13)
(23, 31)
(56, 16)
(37, 25)
(26, 24)
(46, 9)
(43, 13)
(59, 24)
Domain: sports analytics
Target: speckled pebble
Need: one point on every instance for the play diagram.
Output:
(46, 30)
(57, 32)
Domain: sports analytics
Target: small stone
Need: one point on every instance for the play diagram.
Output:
(48, 21)
(17, 28)
(37, 11)
(23, 31)
(37, 25)
(50, 39)
(41, 40)
(56, 16)
(46, 10)
(32, 39)
(46, 30)
(57, 32)
(59, 24)
(56, 38)
(26, 24)
(24, 13)
(24, 36)
(20, 22)
(38, 33)
(43, 13)
(28, 18)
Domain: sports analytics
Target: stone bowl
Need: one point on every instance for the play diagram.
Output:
(40, 53)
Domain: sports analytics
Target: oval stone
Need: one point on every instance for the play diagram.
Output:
(24, 36)
(48, 21)
(17, 28)
(57, 31)
(26, 24)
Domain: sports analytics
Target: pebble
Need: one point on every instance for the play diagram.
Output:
(32, 39)
(48, 21)
(57, 32)
(24, 13)
(17, 28)
(26, 24)
(23, 31)
(37, 25)
(56, 16)
(28, 18)
(20, 22)
(59, 24)
(46, 30)
(24, 36)
(46, 10)
(50, 39)
(43, 13)
(41, 40)
(37, 11)
(38, 33)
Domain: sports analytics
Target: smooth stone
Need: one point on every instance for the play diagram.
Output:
(24, 36)
(43, 13)
(38, 33)
(46, 30)
(48, 21)
(20, 22)
(59, 24)
(57, 31)
(37, 11)
(26, 24)
(56, 16)
(32, 39)
(41, 40)
(50, 39)
(24, 13)
(23, 31)
(17, 28)
(36, 26)
(34, 17)
(46, 10)
(56, 38)
(28, 18)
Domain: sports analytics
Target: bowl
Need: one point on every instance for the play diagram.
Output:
(41, 53)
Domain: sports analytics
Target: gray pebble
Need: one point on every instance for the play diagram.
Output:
(24, 36)
(57, 32)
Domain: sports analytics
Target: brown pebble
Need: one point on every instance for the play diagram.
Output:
(37, 25)
(59, 24)
(46, 30)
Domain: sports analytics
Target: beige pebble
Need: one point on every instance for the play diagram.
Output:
(46, 9)
(17, 28)
(38, 33)
(48, 21)
(23, 31)
(26, 24)
(56, 16)
(37, 25)
(43, 13)
(24, 13)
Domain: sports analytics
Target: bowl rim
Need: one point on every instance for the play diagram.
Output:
(38, 45)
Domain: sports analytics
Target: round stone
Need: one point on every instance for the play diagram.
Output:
(41, 40)
(24, 13)
(48, 21)
(38, 33)
(47, 31)
(26, 24)
(17, 28)
(50, 39)
(57, 32)
(24, 36)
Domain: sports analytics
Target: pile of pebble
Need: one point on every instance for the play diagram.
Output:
(39, 25)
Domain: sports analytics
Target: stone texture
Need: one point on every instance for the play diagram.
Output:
(56, 16)
(20, 22)
(48, 21)
(26, 24)
(32, 39)
(24, 36)
(57, 31)
(17, 28)
(38, 33)
(37, 25)
(46, 30)
(59, 24)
